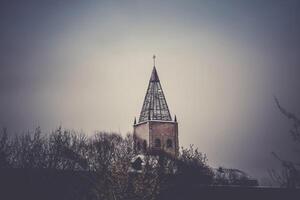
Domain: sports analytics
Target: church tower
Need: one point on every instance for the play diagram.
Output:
(155, 130)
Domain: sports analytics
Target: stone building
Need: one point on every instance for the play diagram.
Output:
(155, 130)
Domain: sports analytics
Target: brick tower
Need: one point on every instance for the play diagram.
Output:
(155, 130)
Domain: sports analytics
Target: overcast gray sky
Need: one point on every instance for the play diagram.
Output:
(85, 65)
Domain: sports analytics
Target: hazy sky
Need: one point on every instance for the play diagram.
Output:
(85, 65)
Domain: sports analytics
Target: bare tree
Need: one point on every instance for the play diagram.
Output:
(290, 173)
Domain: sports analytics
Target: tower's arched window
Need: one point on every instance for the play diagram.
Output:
(169, 143)
(145, 145)
(138, 146)
(157, 142)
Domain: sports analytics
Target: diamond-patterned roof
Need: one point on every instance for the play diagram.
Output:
(155, 105)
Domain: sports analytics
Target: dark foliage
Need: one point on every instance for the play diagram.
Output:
(103, 162)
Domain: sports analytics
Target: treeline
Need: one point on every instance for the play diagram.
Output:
(108, 159)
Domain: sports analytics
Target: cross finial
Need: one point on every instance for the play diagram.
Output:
(154, 59)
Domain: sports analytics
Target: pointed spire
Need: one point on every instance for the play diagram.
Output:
(134, 122)
(154, 76)
(175, 119)
(155, 105)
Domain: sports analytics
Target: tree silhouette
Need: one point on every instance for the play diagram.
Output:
(290, 173)
(105, 162)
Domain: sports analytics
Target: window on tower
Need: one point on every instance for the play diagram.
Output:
(157, 143)
(169, 143)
